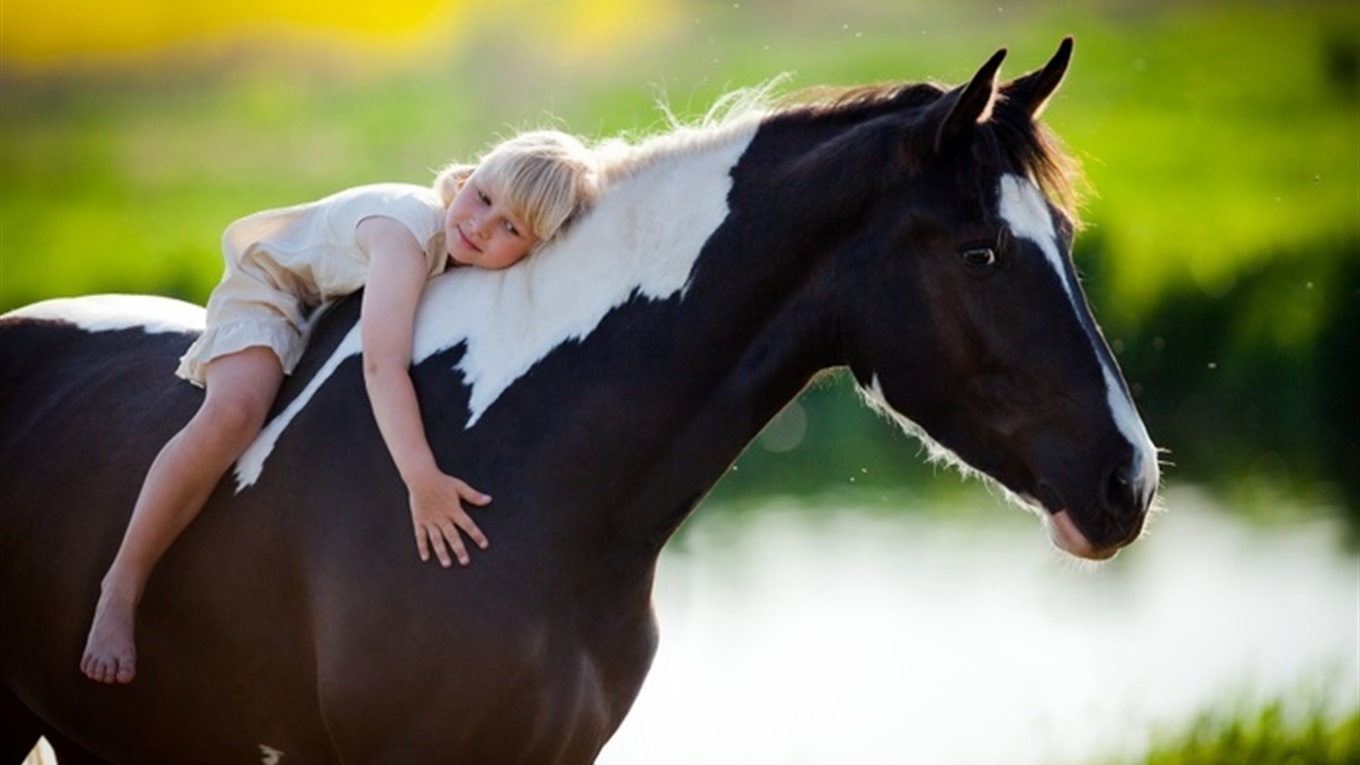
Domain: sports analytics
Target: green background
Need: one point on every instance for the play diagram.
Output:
(1222, 249)
(1221, 142)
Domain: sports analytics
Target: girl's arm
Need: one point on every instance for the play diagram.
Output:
(397, 275)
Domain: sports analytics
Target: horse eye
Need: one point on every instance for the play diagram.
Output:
(979, 257)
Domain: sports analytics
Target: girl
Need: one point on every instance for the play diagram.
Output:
(388, 239)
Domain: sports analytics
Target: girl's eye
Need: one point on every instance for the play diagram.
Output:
(510, 227)
(481, 195)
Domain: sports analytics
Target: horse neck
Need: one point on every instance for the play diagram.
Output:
(735, 387)
(751, 328)
(707, 209)
(676, 319)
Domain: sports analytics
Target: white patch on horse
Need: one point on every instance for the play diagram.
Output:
(110, 313)
(641, 240)
(1025, 210)
(272, 756)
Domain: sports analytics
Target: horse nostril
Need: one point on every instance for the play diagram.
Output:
(1119, 495)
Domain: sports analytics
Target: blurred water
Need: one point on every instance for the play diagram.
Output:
(854, 635)
(858, 636)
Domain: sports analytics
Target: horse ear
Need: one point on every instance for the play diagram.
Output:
(1034, 89)
(970, 105)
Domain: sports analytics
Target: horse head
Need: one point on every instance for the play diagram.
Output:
(969, 326)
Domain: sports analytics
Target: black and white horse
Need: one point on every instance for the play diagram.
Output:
(914, 234)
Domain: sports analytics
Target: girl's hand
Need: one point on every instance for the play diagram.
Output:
(438, 516)
(397, 272)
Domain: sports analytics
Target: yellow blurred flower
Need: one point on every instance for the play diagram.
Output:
(44, 32)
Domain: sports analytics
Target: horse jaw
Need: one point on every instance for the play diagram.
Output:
(1062, 530)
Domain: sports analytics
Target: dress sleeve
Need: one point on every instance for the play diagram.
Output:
(418, 209)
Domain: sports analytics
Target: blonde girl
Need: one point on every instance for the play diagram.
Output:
(388, 239)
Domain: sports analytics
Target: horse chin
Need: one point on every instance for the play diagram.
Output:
(1068, 538)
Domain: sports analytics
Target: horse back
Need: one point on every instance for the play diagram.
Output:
(246, 612)
(85, 406)
(77, 399)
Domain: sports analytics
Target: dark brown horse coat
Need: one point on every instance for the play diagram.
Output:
(597, 392)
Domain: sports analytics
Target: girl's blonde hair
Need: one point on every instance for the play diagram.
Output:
(547, 178)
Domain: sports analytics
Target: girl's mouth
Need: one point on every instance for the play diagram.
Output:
(466, 241)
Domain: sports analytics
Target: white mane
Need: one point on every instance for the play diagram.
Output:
(662, 200)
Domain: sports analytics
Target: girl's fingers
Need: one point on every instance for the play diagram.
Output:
(455, 541)
(470, 528)
(440, 548)
(471, 495)
(422, 544)
(438, 526)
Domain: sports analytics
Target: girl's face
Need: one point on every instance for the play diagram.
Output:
(479, 230)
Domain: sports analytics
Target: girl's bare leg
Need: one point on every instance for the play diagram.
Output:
(240, 389)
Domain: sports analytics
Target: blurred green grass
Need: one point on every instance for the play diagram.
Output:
(1276, 732)
(1214, 134)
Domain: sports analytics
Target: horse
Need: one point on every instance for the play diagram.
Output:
(917, 235)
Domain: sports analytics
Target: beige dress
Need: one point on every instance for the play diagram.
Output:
(282, 264)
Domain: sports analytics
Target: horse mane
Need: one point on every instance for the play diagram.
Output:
(1010, 137)
(733, 115)
(1011, 133)
(860, 102)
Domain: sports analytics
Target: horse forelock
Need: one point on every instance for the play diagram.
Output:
(1034, 151)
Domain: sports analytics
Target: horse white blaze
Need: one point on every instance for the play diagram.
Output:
(1027, 213)
(640, 241)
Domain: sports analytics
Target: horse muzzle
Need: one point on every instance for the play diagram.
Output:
(1111, 520)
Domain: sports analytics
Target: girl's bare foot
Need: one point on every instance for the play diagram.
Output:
(110, 652)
